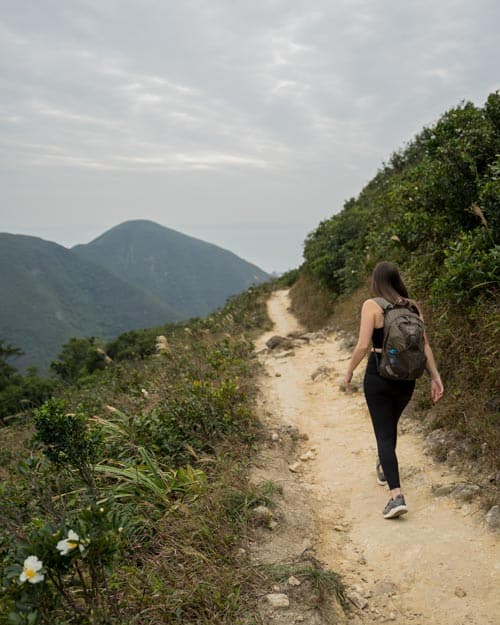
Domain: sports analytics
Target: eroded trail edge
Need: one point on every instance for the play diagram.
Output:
(438, 565)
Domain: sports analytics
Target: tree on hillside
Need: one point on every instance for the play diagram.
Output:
(17, 392)
(7, 371)
(79, 358)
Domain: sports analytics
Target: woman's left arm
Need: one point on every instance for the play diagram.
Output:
(437, 388)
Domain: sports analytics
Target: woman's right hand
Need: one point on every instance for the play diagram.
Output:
(437, 389)
(347, 380)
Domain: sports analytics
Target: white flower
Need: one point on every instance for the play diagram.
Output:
(70, 543)
(31, 570)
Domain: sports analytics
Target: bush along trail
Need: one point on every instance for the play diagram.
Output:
(438, 565)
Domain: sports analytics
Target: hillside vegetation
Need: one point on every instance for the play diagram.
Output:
(434, 209)
(127, 492)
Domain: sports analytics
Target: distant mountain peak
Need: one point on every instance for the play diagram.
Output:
(175, 267)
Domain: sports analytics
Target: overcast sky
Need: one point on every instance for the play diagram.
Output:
(243, 122)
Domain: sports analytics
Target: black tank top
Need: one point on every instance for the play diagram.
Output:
(378, 337)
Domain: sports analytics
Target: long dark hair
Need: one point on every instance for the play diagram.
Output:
(387, 283)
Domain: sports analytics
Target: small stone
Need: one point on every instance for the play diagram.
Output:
(321, 373)
(339, 528)
(262, 514)
(293, 581)
(277, 588)
(460, 592)
(493, 517)
(391, 617)
(240, 553)
(272, 525)
(308, 455)
(442, 490)
(278, 600)
(438, 443)
(309, 336)
(285, 354)
(385, 587)
(362, 560)
(275, 436)
(294, 468)
(466, 492)
(452, 457)
(278, 375)
(355, 598)
(276, 340)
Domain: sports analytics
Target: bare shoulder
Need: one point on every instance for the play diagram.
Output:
(371, 305)
(370, 309)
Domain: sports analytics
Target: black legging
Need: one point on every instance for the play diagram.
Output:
(386, 401)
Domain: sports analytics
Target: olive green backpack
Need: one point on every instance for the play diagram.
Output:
(403, 350)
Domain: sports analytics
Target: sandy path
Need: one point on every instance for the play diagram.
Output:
(438, 565)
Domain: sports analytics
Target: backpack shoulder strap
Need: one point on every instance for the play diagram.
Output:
(382, 302)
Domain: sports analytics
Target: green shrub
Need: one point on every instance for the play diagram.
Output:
(471, 266)
(67, 439)
(79, 358)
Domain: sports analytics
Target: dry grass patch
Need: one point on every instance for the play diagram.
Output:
(310, 302)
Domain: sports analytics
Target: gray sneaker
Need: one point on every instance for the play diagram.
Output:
(380, 474)
(395, 507)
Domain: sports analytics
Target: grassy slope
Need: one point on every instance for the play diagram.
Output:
(170, 544)
(191, 405)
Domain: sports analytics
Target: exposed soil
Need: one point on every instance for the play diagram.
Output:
(437, 565)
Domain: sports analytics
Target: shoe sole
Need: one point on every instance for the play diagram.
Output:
(395, 512)
(381, 482)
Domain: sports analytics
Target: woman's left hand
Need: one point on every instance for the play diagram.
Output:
(437, 389)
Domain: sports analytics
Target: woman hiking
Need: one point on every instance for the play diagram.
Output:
(387, 398)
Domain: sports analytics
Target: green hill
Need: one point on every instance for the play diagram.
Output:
(50, 294)
(183, 272)
(136, 275)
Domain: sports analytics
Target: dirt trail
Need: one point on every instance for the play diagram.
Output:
(438, 565)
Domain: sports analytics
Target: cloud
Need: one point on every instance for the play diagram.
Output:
(276, 101)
